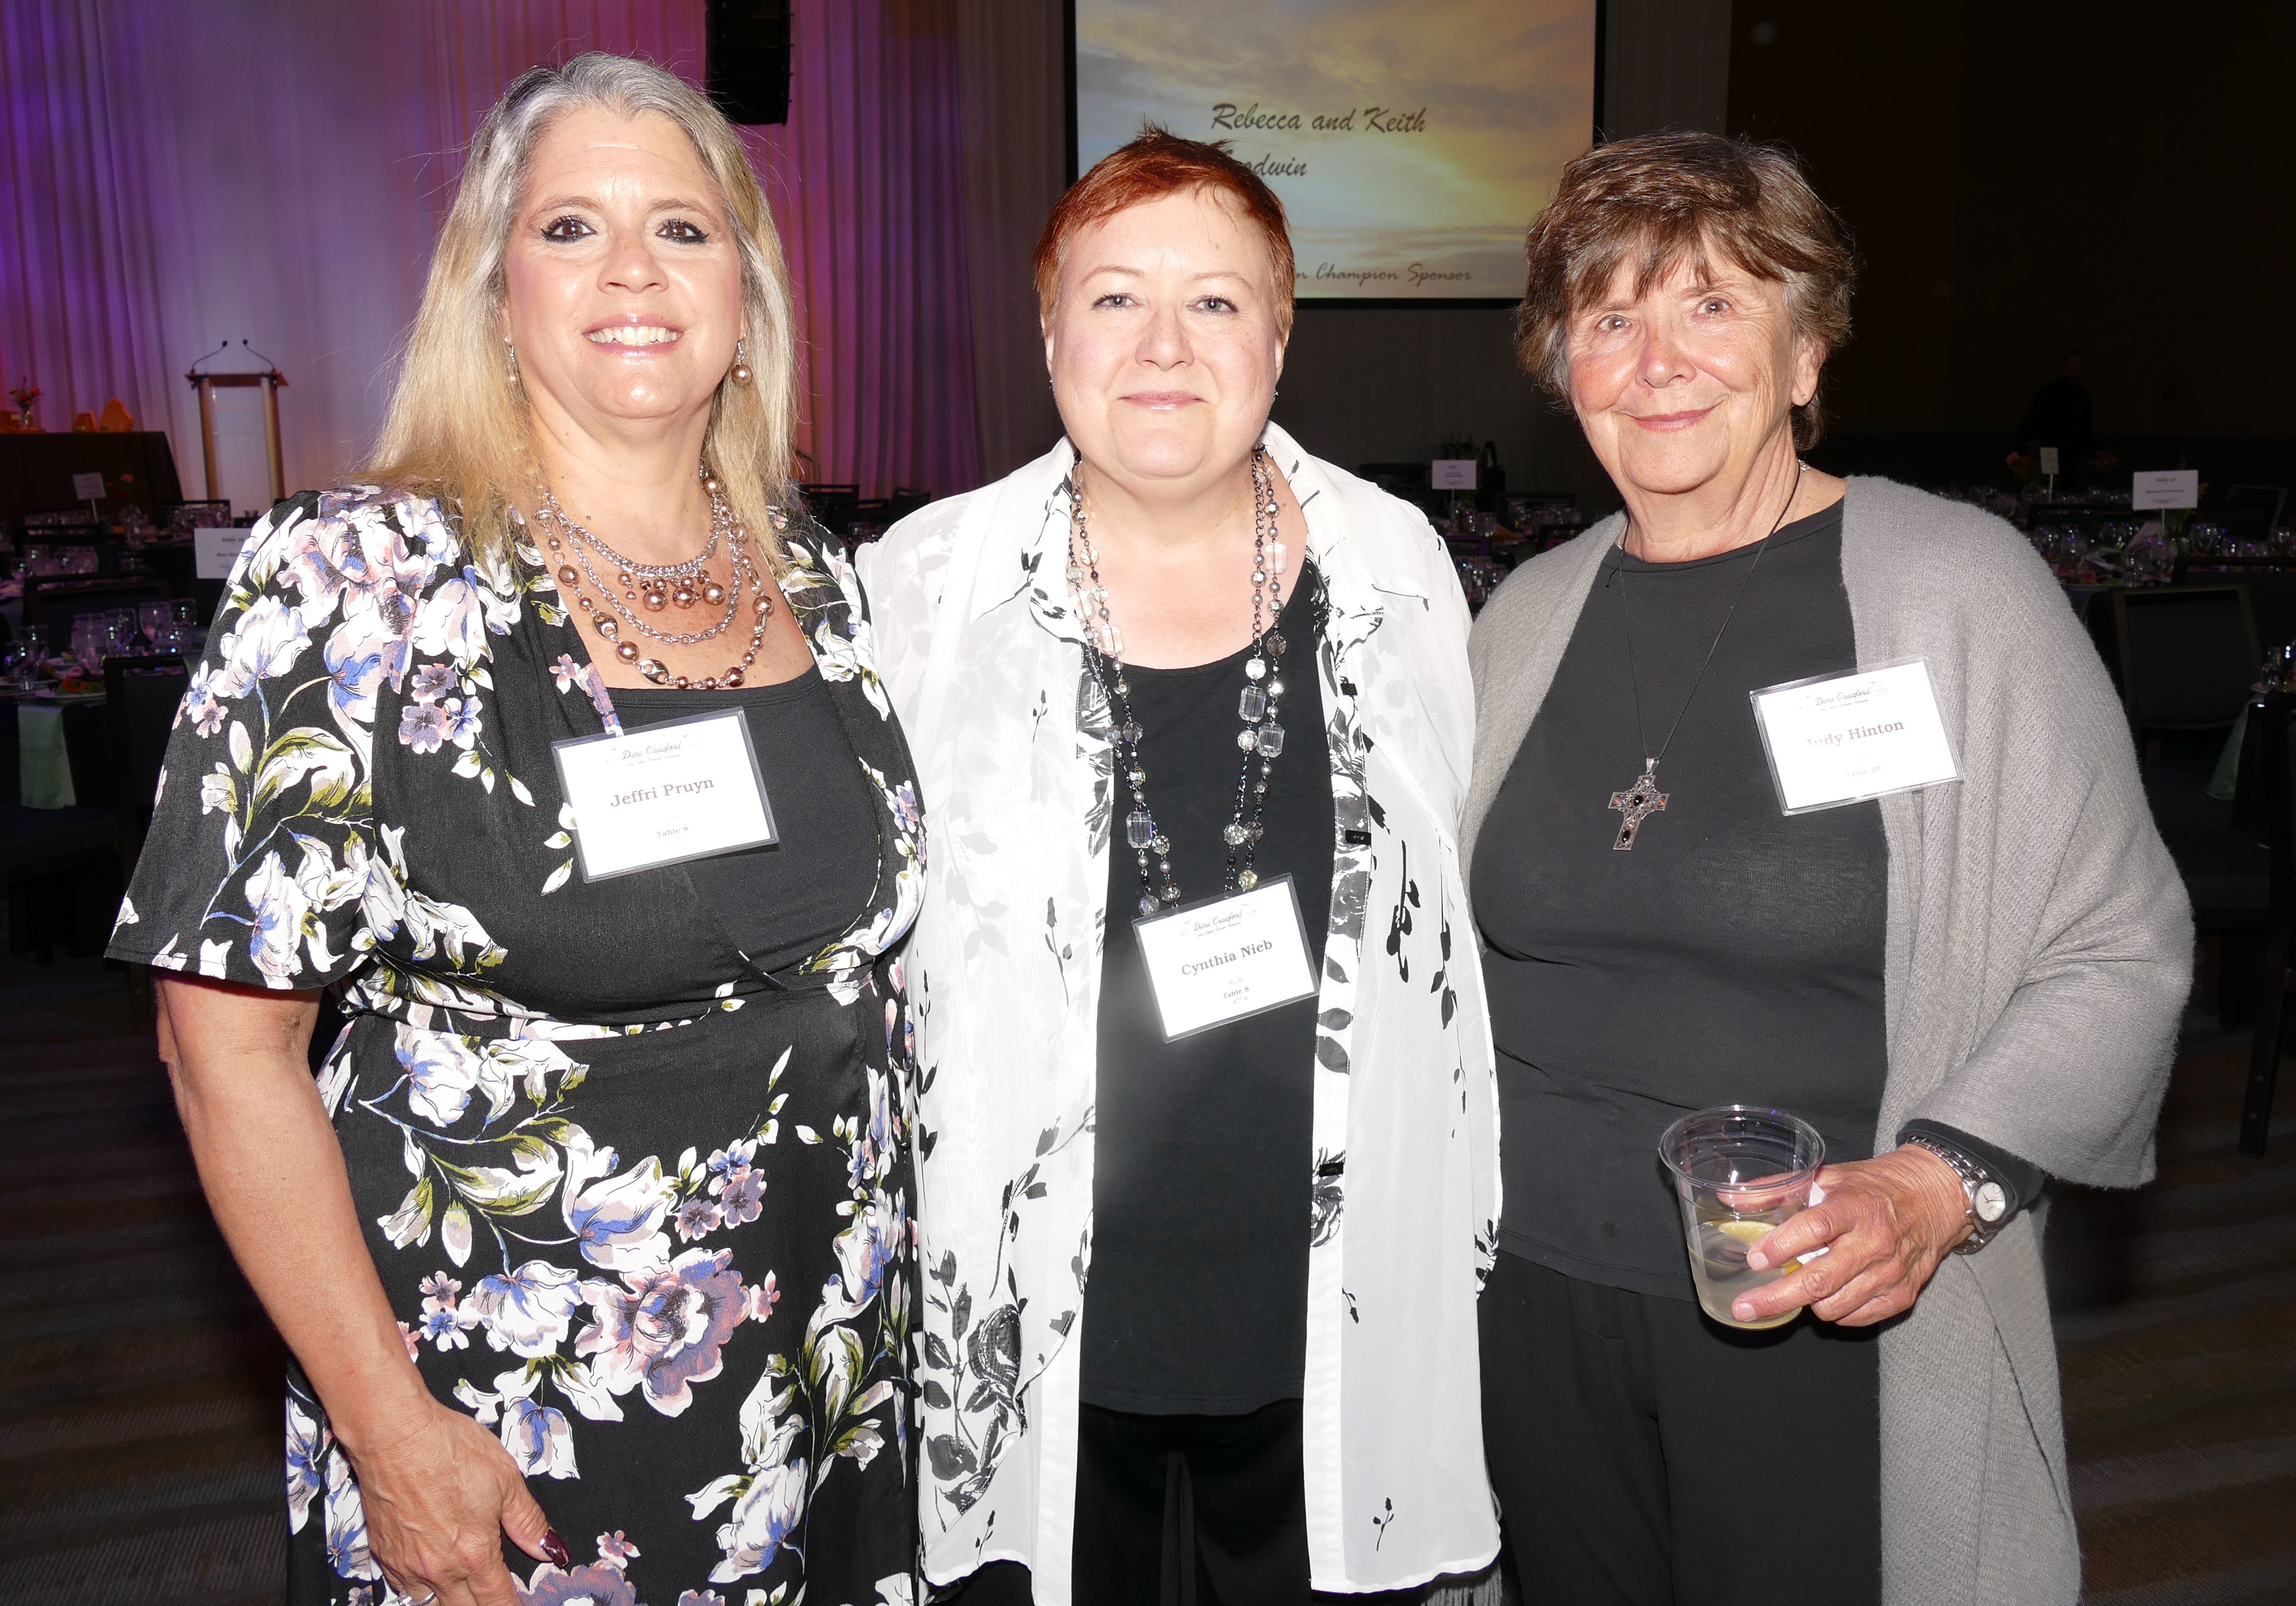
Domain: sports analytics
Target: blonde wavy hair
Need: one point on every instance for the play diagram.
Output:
(458, 431)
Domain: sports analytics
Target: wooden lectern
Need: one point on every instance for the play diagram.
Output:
(270, 380)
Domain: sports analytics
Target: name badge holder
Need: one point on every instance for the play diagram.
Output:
(1833, 739)
(1225, 959)
(667, 794)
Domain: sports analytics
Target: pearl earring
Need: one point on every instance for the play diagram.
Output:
(741, 367)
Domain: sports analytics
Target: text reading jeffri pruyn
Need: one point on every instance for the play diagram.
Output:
(668, 789)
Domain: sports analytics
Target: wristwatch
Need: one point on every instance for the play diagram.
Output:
(1989, 1200)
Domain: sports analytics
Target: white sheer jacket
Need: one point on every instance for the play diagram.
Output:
(980, 650)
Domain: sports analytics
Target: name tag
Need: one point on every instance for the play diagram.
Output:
(1228, 958)
(1837, 739)
(663, 795)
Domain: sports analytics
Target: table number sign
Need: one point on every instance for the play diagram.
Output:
(2166, 487)
(1451, 474)
(1837, 739)
(213, 551)
(89, 488)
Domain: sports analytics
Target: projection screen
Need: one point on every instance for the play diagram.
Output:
(1412, 141)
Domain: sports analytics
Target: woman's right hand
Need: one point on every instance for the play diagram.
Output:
(439, 1492)
(439, 1489)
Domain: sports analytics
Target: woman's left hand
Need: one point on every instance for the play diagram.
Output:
(1886, 1223)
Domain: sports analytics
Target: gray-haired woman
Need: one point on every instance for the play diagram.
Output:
(597, 1214)
(1975, 982)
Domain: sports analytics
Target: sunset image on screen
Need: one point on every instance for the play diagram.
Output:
(1412, 141)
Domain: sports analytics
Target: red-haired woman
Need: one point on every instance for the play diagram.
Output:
(1206, 1145)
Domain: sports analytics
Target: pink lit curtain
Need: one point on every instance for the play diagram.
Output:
(178, 173)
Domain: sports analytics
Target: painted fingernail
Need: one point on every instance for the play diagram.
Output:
(555, 1548)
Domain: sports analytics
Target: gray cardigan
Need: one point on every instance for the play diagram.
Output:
(2038, 957)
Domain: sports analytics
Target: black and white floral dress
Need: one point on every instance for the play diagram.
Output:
(640, 1206)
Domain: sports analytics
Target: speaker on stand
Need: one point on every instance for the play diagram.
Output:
(746, 59)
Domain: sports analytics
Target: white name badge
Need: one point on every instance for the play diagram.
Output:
(1837, 739)
(1226, 957)
(663, 795)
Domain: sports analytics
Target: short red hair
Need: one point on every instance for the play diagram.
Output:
(1154, 166)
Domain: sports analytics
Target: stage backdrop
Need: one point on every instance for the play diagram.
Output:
(1411, 143)
(178, 173)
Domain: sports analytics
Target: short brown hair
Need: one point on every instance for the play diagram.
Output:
(1154, 166)
(1662, 198)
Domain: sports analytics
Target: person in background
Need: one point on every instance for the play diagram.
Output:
(2060, 414)
(1490, 481)
(1228, 1275)
(1967, 988)
(595, 1222)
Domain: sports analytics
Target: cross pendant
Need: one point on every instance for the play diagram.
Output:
(1638, 802)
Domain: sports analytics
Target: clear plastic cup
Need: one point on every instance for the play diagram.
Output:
(1739, 1171)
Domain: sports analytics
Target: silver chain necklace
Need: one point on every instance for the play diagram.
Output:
(1261, 737)
(1643, 800)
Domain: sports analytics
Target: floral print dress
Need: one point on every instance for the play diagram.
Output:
(642, 1208)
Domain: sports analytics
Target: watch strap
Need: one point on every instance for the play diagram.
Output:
(1971, 1176)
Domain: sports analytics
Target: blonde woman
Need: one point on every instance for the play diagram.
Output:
(594, 1224)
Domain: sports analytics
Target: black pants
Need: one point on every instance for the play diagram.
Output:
(1181, 1511)
(1645, 1455)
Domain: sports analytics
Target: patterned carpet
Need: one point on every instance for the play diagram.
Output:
(139, 1416)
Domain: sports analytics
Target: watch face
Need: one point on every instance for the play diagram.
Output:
(1992, 1202)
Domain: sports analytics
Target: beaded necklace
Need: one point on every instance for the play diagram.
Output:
(655, 586)
(1261, 737)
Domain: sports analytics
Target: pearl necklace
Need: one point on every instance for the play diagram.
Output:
(654, 586)
(1261, 737)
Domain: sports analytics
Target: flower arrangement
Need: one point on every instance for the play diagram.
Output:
(23, 395)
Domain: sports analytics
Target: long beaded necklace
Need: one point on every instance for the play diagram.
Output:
(1261, 737)
(654, 586)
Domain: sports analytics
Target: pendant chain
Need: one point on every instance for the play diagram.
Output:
(1261, 737)
(1643, 800)
(1634, 678)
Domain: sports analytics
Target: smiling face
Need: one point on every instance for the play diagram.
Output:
(1163, 342)
(624, 284)
(1686, 385)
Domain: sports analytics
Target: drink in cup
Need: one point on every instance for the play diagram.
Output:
(1739, 1171)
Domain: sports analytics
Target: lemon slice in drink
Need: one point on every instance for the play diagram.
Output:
(1750, 1232)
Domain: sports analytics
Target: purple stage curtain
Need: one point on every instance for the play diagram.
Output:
(1013, 62)
(178, 173)
(867, 182)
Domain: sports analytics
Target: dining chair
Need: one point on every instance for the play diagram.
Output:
(2269, 719)
(43, 851)
(2188, 657)
(2251, 512)
(833, 505)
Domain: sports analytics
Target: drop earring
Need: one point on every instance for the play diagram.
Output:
(511, 359)
(741, 367)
